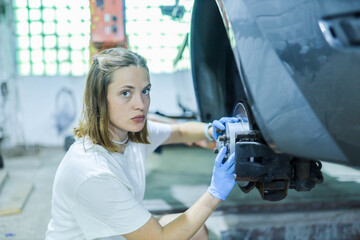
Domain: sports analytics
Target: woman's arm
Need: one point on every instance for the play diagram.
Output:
(195, 131)
(183, 227)
(188, 223)
(188, 132)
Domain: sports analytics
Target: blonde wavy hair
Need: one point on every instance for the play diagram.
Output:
(95, 118)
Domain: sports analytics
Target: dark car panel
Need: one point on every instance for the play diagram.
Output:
(297, 63)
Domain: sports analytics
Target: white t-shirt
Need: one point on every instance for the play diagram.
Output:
(97, 193)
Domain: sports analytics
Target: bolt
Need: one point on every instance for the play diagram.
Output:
(222, 138)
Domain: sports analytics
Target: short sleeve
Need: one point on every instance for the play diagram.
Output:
(158, 134)
(105, 207)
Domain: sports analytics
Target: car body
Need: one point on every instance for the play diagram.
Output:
(297, 65)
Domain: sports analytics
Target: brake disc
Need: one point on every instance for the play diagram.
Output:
(228, 139)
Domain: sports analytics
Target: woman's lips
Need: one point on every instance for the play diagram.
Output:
(138, 118)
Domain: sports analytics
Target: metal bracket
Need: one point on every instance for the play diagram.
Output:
(256, 165)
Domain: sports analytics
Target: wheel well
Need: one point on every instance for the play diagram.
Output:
(216, 76)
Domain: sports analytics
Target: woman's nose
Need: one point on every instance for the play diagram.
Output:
(139, 102)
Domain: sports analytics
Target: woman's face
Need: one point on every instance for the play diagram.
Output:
(128, 100)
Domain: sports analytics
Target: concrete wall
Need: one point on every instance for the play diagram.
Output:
(8, 95)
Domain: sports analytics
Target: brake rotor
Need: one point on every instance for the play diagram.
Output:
(228, 139)
(241, 112)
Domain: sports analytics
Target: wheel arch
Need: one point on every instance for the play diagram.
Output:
(217, 82)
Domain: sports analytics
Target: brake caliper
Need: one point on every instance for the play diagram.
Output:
(257, 165)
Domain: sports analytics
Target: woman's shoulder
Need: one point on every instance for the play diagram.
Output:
(158, 128)
(86, 158)
(156, 124)
(84, 147)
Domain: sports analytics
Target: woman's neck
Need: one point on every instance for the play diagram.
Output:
(118, 135)
(121, 142)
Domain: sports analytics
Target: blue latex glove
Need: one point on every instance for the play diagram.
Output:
(220, 124)
(222, 180)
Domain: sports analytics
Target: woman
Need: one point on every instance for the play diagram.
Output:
(100, 183)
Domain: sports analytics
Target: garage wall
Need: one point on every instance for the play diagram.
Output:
(8, 95)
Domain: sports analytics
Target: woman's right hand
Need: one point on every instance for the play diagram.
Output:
(222, 181)
(219, 125)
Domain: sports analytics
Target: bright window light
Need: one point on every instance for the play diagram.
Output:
(53, 36)
(44, 29)
(155, 36)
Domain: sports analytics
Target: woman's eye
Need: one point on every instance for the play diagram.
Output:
(125, 93)
(146, 91)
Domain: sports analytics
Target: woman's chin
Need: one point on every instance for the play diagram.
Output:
(137, 128)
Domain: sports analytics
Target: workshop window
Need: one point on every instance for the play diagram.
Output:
(53, 36)
(157, 36)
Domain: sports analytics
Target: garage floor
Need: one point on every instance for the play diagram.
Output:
(176, 178)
